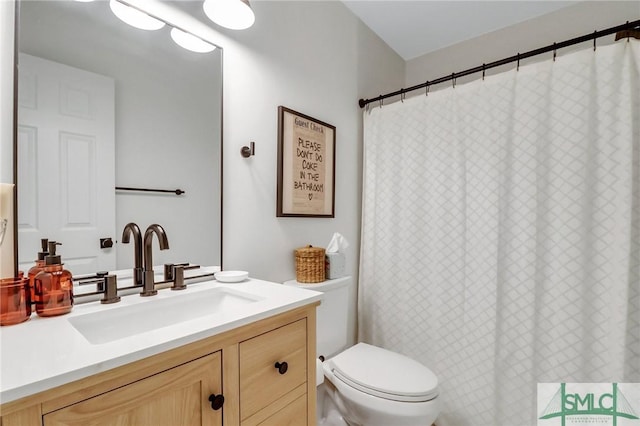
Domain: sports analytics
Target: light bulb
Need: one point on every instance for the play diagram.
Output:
(191, 42)
(134, 17)
(232, 14)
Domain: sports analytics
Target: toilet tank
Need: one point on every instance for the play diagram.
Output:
(332, 314)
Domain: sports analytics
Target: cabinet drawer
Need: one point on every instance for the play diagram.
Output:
(294, 414)
(261, 383)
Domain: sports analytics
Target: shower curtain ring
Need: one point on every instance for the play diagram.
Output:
(381, 103)
(402, 95)
(518, 63)
(483, 70)
(594, 40)
(554, 51)
(426, 91)
(453, 79)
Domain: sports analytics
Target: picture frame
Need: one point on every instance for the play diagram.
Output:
(306, 166)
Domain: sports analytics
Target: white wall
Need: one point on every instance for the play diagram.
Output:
(567, 23)
(308, 56)
(313, 57)
(6, 91)
(319, 59)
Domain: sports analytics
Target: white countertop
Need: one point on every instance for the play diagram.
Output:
(42, 353)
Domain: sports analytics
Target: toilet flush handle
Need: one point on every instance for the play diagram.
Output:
(282, 367)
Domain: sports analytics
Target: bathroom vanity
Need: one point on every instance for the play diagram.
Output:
(249, 360)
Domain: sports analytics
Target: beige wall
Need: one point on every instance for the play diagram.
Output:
(573, 21)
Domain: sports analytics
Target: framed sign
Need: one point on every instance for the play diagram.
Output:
(306, 166)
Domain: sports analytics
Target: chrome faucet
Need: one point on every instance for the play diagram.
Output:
(148, 284)
(132, 228)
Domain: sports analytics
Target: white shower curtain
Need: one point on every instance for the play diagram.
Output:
(501, 232)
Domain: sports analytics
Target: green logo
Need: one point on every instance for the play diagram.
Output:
(586, 405)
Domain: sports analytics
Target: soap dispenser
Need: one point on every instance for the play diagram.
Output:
(53, 286)
(39, 266)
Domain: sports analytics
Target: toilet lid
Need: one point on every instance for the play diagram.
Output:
(385, 374)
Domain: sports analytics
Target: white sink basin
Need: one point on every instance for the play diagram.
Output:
(126, 321)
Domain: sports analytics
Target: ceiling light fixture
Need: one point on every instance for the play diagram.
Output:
(191, 42)
(134, 17)
(232, 14)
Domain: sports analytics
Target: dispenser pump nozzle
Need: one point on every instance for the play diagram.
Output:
(52, 258)
(45, 249)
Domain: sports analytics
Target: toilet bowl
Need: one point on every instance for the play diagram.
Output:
(376, 387)
(328, 413)
(365, 385)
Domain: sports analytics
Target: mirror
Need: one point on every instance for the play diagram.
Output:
(86, 77)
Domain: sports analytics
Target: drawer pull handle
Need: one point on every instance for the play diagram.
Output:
(216, 401)
(282, 367)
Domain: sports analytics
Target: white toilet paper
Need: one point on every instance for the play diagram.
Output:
(319, 373)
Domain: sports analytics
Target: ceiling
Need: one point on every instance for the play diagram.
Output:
(415, 27)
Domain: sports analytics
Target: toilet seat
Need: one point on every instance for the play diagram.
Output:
(384, 374)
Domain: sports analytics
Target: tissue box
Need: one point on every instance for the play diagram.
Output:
(336, 265)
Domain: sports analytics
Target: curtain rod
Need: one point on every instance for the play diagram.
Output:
(550, 48)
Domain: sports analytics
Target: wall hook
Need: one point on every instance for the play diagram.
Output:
(248, 151)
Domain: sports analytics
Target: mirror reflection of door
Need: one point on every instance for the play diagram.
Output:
(66, 163)
(168, 128)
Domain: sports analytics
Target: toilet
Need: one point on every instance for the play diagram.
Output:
(365, 385)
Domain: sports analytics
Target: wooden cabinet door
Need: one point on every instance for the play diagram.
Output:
(179, 396)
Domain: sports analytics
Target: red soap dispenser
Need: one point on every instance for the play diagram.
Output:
(39, 266)
(53, 286)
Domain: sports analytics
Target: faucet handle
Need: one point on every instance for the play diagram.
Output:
(178, 278)
(168, 269)
(110, 290)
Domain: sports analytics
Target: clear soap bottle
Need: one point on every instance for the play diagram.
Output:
(39, 266)
(53, 286)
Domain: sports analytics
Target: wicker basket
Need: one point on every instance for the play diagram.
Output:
(310, 266)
